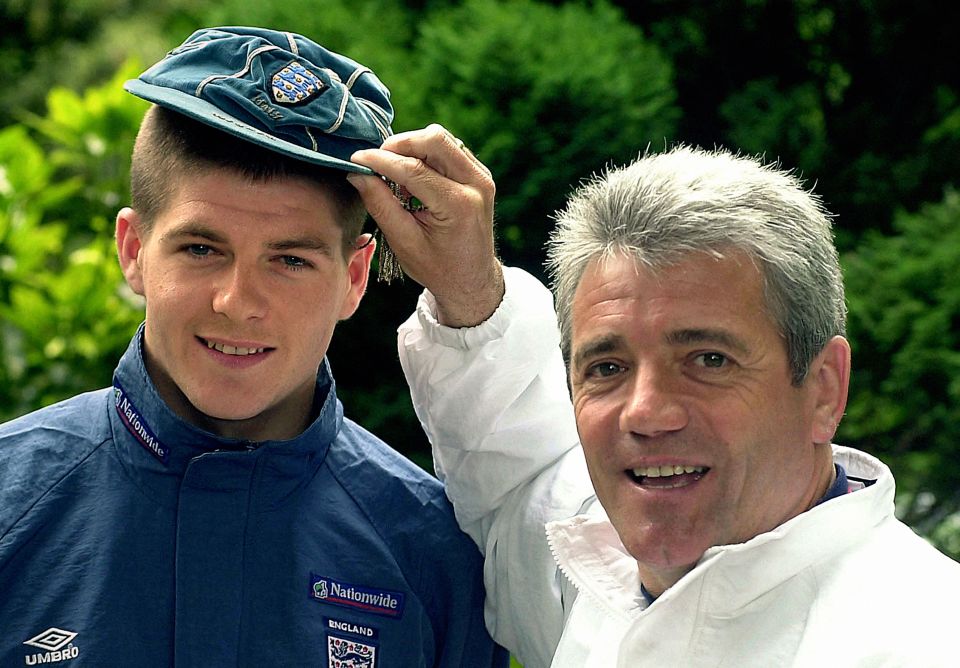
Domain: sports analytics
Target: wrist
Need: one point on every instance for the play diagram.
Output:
(472, 306)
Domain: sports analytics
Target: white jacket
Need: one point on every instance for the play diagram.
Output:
(843, 584)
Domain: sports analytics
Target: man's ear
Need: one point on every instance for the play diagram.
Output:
(830, 373)
(358, 272)
(129, 245)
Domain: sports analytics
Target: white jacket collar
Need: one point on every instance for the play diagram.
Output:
(590, 554)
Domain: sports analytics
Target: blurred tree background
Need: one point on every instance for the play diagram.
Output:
(862, 98)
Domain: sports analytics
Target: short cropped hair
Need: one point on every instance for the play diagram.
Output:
(171, 146)
(664, 206)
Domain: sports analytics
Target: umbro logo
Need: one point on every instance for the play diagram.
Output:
(58, 646)
(51, 639)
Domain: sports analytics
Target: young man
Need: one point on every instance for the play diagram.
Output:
(701, 311)
(215, 507)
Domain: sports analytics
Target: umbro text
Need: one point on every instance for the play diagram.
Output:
(71, 651)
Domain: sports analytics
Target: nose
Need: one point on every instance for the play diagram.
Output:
(239, 295)
(654, 406)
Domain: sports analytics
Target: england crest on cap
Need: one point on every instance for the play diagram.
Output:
(294, 84)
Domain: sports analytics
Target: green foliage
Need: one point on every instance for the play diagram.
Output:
(904, 320)
(376, 33)
(764, 119)
(65, 316)
(849, 91)
(544, 96)
(47, 44)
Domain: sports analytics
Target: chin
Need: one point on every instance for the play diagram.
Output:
(232, 413)
(660, 549)
(224, 408)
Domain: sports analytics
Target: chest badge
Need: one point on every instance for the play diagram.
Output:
(356, 597)
(346, 653)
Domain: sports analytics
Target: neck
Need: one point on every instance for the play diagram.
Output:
(827, 475)
(657, 582)
(267, 426)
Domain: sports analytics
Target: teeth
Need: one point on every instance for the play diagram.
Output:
(233, 350)
(662, 471)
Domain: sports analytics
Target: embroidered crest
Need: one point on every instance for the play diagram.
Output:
(295, 84)
(346, 653)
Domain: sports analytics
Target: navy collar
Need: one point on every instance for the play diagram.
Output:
(156, 445)
(839, 486)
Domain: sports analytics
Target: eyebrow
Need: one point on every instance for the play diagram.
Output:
(193, 230)
(301, 243)
(199, 230)
(716, 336)
(598, 346)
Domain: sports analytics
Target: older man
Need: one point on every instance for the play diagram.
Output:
(701, 315)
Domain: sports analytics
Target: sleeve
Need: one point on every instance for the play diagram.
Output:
(493, 401)
(461, 637)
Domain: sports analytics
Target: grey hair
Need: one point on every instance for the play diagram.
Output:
(662, 207)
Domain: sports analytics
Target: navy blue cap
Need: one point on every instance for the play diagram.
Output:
(276, 89)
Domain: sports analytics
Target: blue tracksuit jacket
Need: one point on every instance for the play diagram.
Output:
(131, 538)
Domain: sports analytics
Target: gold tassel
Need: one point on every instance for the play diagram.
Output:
(389, 266)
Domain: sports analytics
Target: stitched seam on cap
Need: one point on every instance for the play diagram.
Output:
(292, 43)
(381, 128)
(246, 68)
(356, 75)
(312, 140)
(377, 109)
(343, 111)
(343, 103)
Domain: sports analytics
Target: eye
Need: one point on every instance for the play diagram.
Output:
(603, 370)
(295, 263)
(199, 250)
(711, 360)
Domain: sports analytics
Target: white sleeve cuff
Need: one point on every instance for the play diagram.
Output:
(520, 289)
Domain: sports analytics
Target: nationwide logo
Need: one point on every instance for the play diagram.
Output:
(367, 599)
(136, 425)
(58, 644)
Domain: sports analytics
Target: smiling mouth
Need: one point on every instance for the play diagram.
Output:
(667, 477)
(233, 350)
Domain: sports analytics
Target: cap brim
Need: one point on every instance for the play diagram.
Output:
(205, 112)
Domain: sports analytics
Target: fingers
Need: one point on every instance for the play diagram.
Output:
(439, 148)
(415, 159)
(430, 164)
